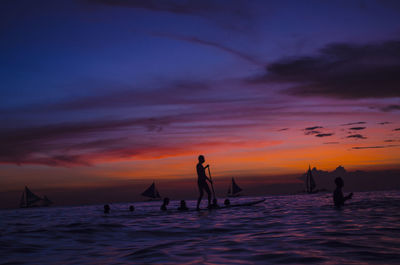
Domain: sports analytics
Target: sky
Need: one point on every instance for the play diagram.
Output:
(96, 92)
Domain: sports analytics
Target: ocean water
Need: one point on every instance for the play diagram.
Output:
(292, 229)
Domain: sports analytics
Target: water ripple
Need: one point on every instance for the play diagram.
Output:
(283, 230)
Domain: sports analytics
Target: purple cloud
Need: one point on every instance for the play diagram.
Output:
(340, 71)
(391, 108)
(374, 147)
(213, 44)
(324, 134)
(353, 123)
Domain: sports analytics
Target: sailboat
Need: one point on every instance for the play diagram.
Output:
(310, 182)
(234, 189)
(30, 199)
(152, 193)
(46, 201)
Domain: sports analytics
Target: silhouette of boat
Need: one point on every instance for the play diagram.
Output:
(234, 190)
(152, 193)
(30, 199)
(310, 182)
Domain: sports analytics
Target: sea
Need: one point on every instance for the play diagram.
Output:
(290, 229)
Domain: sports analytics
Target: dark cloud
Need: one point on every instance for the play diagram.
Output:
(92, 141)
(311, 132)
(373, 147)
(389, 141)
(324, 134)
(358, 136)
(353, 123)
(391, 108)
(397, 129)
(313, 128)
(283, 129)
(345, 71)
(331, 143)
(384, 123)
(357, 128)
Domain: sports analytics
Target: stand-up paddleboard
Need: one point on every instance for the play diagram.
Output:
(243, 204)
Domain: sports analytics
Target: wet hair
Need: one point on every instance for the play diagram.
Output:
(106, 208)
(131, 208)
(339, 181)
(201, 157)
(227, 202)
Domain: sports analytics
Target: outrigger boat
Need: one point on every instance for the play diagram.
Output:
(30, 199)
(152, 193)
(243, 204)
(234, 190)
(310, 182)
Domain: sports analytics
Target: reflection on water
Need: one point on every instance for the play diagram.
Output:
(284, 229)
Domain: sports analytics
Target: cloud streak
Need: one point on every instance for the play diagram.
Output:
(212, 44)
(357, 128)
(353, 123)
(358, 136)
(324, 134)
(313, 128)
(391, 108)
(374, 147)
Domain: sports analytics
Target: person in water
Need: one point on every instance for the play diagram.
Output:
(338, 198)
(202, 182)
(164, 205)
(183, 206)
(227, 202)
(131, 208)
(106, 209)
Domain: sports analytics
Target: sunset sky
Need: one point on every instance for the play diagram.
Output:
(100, 91)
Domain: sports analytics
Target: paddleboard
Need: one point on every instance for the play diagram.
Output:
(243, 204)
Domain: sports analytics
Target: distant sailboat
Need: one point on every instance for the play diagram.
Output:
(152, 193)
(234, 189)
(46, 201)
(30, 199)
(310, 182)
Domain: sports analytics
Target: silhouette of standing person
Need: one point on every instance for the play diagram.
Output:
(202, 181)
(338, 198)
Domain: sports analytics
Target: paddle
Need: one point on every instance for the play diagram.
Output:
(212, 185)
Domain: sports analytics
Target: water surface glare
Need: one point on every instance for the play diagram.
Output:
(284, 229)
